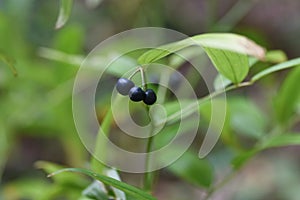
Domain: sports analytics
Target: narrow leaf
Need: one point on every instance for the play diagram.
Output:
(128, 189)
(285, 65)
(64, 13)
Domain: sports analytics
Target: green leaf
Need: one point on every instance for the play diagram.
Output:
(285, 65)
(288, 96)
(193, 169)
(224, 41)
(64, 13)
(273, 56)
(9, 62)
(233, 66)
(228, 52)
(128, 189)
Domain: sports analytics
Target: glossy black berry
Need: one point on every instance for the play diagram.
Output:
(124, 85)
(136, 94)
(150, 97)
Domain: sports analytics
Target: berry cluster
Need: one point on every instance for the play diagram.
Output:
(127, 87)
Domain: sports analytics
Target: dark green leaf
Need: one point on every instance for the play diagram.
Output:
(128, 189)
(64, 13)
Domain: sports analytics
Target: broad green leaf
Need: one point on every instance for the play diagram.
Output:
(273, 56)
(224, 41)
(285, 65)
(193, 169)
(274, 141)
(9, 62)
(233, 66)
(64, 13)
(228, 52)
(288, 96)
(128, 189)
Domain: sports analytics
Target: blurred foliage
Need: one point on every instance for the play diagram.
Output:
(36, 121)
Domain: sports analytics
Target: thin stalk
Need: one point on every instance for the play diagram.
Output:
(148, 176)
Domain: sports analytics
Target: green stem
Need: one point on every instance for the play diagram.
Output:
(148, 176)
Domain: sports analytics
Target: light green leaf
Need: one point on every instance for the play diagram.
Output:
(285, 65)
(224, 41)
(287, 98)
(233, 66)
(128, 189)
(193, 169)
(9, 62)
(228, 52)
(64, 13)
(273, 56)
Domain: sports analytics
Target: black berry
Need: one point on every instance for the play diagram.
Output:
(150, 97)
(124, 85)
(136, 94)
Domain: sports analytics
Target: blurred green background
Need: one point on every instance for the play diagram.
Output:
(36, 109)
